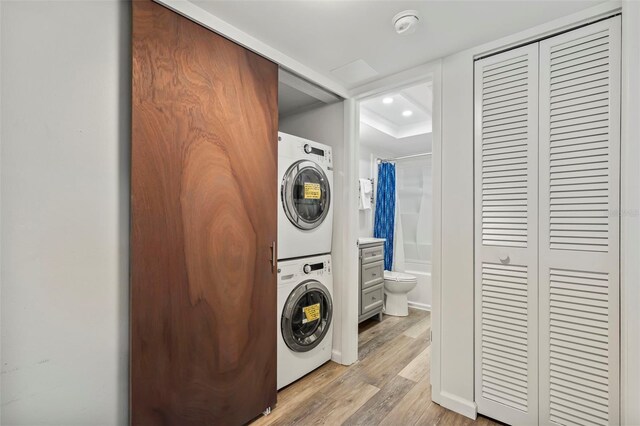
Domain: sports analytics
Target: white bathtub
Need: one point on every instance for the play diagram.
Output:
(420, 297)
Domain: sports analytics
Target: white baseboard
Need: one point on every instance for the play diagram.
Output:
(336, 356)
(420, 306)
(459, 405)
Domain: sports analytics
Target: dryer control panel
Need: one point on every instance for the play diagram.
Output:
(297, 148)
(323, 152)
(317, 152)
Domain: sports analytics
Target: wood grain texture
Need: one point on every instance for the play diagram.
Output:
(415, 369)
(203, 217)
(412, 406)
(381, 403)
(421, 327)
(389, 385)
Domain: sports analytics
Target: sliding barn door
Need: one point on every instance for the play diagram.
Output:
(579, 225)
(203, 221)
(506, 152)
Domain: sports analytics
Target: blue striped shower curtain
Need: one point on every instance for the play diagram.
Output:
(384, 223)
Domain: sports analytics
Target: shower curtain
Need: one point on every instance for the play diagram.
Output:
(386, 210)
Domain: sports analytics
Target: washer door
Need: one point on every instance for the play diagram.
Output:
(306, 316)
(306, 194)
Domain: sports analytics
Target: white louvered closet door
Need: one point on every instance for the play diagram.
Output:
(579, 225)
(506, 167)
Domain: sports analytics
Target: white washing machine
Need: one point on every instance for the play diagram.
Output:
(305, 210)
(305, 314)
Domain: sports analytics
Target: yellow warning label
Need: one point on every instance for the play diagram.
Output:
(311, 313)
(312, 191)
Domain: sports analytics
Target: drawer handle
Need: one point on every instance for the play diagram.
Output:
(373, 275)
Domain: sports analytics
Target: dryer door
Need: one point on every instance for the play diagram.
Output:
(306, 316)
(306, 194)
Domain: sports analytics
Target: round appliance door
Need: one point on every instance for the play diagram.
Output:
(306, 316)
(306, 194)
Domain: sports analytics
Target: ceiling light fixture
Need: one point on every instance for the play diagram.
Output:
(406, 22)
(407, 113)
(387, 101)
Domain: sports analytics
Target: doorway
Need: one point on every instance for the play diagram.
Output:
(395, 212)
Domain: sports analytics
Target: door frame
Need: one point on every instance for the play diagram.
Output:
(431, 72)
(629, 220)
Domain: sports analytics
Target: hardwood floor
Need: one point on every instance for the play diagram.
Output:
(389, 385)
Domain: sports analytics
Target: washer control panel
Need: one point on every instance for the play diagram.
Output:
(304, 268)
(317, 268)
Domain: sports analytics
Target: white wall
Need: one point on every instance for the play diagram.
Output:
(64, 214)
(456, 264)
(327, 125)
(414, 204)
(368, 169)
(414, 241)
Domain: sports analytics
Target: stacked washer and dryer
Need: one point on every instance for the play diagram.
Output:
(305, 283)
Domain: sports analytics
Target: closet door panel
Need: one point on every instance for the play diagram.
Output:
(579, 225)
(203, 219)
(506, 124)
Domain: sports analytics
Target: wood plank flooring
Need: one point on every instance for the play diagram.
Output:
(389, 385)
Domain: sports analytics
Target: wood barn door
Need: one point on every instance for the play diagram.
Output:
(203, 222)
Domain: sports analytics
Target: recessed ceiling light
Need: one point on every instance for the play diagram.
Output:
(387, 101)
(407, 113)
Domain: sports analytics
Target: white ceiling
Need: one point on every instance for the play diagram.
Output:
(325, 35)
(382, 143)
(291, 100)
(389, 118)
(383, 128)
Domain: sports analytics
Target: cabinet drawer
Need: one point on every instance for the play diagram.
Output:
(372, 274)
(371, 299)
(372, 254)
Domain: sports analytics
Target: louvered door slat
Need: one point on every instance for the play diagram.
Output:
(579, 230)
(506, 236)
(577, 97)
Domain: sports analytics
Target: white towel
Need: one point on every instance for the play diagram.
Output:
(366, 188)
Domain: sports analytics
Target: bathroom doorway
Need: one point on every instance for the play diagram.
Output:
(395, 213)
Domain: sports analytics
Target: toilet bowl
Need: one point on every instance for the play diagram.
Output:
(396, 287)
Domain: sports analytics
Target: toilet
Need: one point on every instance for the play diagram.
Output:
(396, 287)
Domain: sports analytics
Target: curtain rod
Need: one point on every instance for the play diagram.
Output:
(383, 160)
